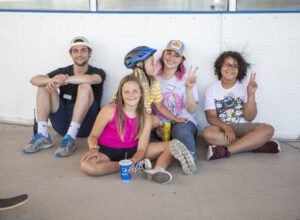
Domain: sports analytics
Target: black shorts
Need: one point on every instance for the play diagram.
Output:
(117, 154)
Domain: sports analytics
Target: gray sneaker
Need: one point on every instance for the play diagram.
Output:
(142, 165)
(37, 143)
(184, 156)
(66, 147)
(158, 175)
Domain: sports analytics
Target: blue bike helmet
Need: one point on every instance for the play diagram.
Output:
(137, 54)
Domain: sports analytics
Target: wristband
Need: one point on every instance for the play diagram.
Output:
(95, 147)
(133, 161)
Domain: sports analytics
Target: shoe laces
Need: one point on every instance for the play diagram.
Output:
(139, 167)
(35, 138)
(65, 141)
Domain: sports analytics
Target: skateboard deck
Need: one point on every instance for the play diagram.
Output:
(9, 203)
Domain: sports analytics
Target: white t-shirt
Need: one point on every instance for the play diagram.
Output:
(173, 91)
(229, 103)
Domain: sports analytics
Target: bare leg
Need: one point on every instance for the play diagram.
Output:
(46, 102)
(261, 134)
(161, 151)
(83, 102)
(93, 167)
(214, 135)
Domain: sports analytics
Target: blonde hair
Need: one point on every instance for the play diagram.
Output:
(142, 76)
(140, 110)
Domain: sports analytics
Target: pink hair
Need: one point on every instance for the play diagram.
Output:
(179, 72)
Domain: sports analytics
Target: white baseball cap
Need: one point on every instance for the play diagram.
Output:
(80, 41)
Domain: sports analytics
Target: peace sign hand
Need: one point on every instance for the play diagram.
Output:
(252, 85)
(191, 79)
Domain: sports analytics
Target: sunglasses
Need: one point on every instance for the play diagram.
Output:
(229, 65)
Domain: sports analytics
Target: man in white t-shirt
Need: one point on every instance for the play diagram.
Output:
(230, 107)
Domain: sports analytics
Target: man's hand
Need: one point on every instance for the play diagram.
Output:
(56, 82)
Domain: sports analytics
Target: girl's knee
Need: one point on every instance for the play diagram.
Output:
(88, 168)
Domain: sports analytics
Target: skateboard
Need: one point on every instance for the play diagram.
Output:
(9, 203)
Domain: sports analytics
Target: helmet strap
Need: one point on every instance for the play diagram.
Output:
(145, 72)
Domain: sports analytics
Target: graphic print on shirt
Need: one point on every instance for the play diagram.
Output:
(230, 109)
(172, 101)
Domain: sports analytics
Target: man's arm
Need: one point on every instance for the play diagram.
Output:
(86, 78)
(50, 83)
(40, 80)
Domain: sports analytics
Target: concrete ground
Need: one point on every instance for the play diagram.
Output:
(246, 186)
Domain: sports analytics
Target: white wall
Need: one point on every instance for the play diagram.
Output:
(37, 43)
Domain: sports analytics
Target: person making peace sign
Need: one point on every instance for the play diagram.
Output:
(230, 107)
(180, 95)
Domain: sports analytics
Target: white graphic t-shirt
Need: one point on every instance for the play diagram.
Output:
(173, 91)
(229, 103)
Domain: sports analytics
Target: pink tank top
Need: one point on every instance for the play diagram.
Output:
(110, 137)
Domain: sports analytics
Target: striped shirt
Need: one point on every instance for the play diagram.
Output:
(154, 97)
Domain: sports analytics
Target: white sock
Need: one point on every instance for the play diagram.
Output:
(73, 129)
(43, 128)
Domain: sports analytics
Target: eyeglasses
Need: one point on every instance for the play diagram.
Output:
(233, 66)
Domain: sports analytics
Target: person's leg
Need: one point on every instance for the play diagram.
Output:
(46, 103)
(186, 133)
(253, 140)
(165, 152)
(250, 136)
(93, 167)
(161, 151)
(108, 162)
(83, 102)
(89, 120)
(214, 135)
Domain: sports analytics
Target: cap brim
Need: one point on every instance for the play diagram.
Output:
(175, 51)
(80, 44)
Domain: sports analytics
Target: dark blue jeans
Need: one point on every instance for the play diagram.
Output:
(184, 132)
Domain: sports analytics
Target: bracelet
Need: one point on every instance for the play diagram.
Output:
(133, 160)
(95, 147)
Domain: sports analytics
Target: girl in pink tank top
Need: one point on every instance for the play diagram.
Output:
(123, 128)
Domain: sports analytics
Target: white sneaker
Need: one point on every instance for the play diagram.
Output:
(184, 156)
(142, 165)
(158, 175)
